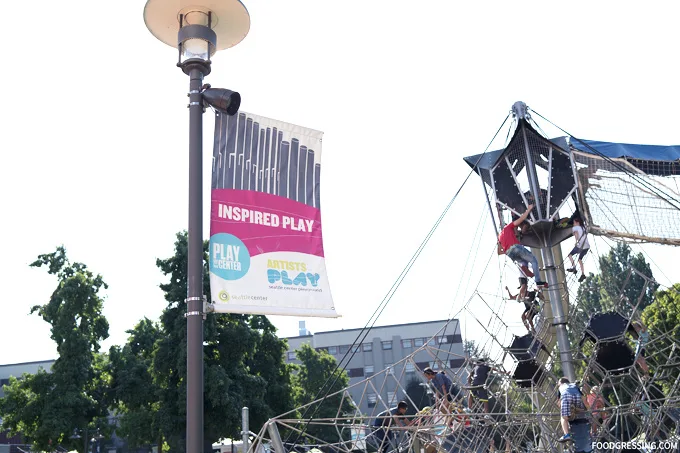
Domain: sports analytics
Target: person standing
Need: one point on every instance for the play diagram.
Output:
(477, 381)
(581, 248)
(574, 417)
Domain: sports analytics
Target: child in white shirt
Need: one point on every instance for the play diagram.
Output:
(581, 248)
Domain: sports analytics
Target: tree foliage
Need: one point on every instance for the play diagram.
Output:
(473, 350)
(662, 319)
(602, 292)
(244, 365)
(316, 378)
(144, 380)
(133, 393)
(47, 407)
(416, 390)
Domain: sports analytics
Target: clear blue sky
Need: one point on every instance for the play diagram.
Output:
(95, 142)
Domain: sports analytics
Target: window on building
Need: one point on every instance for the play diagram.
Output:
(372, 399)
(368, 347)
(430, 342)
(417, 342)
(391, 398)
(292, 356)
(356, 372)
(442, 340)
(368, 370)
(333, 350)
(356, 347)
(344, 349)
(407, 344)
(4, 382)
(434, 365)
(457, 363)
(387, 345)
(410, 368)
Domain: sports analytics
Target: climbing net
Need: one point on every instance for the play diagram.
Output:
(631, 396)
(635, 200)
(630, 401)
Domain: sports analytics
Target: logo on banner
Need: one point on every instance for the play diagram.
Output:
(223, 296)
(291, 273)
(229, 257)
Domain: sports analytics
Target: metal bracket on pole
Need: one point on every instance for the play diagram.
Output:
(207, 308)
(275, 437)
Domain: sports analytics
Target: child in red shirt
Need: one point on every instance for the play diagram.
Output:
(508, 244)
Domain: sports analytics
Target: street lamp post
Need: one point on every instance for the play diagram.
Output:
(198, 28)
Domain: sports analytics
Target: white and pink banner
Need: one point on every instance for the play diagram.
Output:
(266, 247)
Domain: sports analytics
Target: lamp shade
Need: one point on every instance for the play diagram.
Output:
(229, 19)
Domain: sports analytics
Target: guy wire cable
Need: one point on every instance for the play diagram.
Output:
(337, 372)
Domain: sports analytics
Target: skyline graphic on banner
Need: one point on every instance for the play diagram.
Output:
(257, 158)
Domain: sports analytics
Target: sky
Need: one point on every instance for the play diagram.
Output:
(95, 143)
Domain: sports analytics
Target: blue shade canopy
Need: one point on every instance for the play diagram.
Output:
(621, 150)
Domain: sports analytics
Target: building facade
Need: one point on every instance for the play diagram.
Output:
(404, 350)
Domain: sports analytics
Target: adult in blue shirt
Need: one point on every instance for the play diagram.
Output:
(443, 386)
(382, 423)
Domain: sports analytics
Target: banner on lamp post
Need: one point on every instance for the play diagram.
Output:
(266, 247)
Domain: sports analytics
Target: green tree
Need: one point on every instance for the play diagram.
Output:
(472, 350)
(662, 318)
(244, 363)
(133, 393)
(312, 381)
(416, 390)
(602, 292)
(47, 407)
(619, 277)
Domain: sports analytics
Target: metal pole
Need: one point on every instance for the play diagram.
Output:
(245, 429)
(195, 268)
(559, 320)
(275, 437)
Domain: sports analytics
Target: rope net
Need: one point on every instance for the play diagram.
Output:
(632, 395)
(630, 401)
(630, 200)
